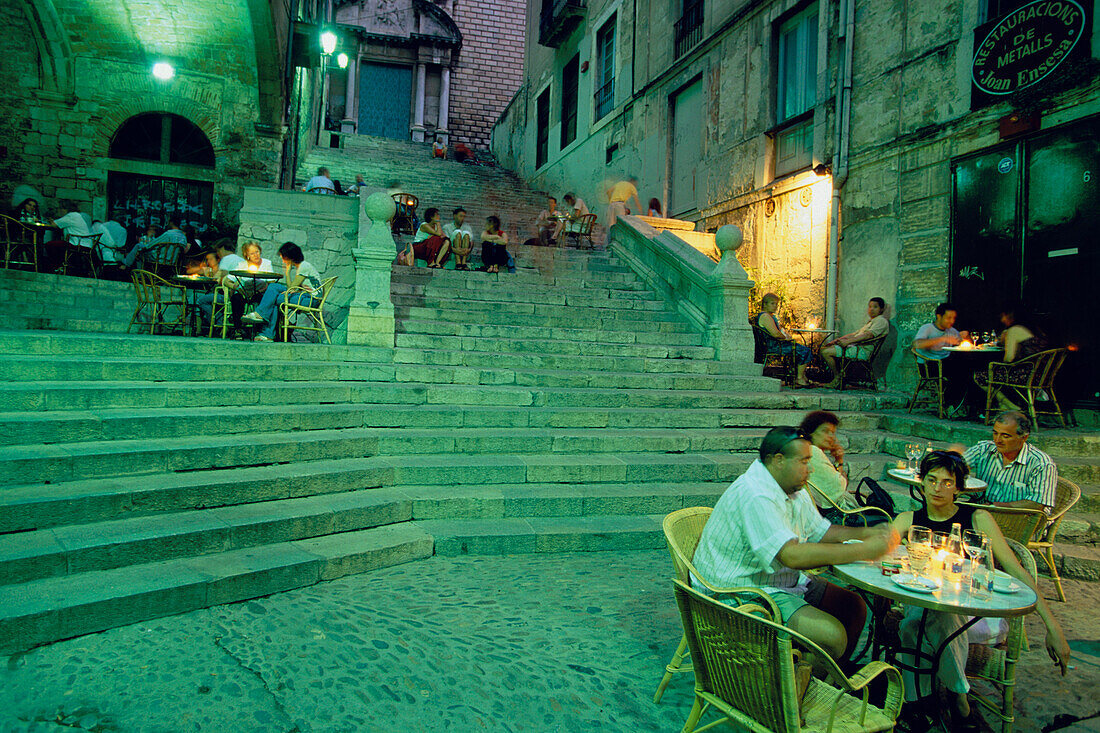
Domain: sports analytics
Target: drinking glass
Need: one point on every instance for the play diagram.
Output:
(912, 453)
(919, 548)
(974, 543)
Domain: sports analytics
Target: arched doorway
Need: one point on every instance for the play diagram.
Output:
(164, 171)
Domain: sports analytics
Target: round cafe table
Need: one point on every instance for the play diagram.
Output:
(249, 281)
(867, 577)
(195, 284)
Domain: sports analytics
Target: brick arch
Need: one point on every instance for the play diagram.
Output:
(51, 45)
(123, 110)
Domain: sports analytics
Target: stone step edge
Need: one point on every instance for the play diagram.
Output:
(91, 500)
(72, 549)
(49, 610)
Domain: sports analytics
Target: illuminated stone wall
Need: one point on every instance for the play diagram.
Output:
(61, 108)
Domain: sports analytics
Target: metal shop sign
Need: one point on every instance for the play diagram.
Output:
(1025, 46)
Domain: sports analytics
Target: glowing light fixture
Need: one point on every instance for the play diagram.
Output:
(328, 41)
(342, 61)
(163, 71)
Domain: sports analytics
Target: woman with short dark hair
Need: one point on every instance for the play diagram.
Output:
(301, 286)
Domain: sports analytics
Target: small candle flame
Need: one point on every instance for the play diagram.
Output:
(811, 324)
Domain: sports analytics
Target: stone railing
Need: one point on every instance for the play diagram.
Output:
(713, 297)
(337, 236)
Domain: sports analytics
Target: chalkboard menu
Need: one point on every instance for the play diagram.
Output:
(1026, 46)
(138, 202)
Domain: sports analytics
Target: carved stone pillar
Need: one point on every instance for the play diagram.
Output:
(370, 313)
(727, 328)
(418, 108)
(351, 108)
(444, 100)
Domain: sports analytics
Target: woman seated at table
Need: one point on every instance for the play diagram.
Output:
(494, 241)
(1021, 339)
(299, 276)
(430, 243)
(942, 474)
(779, 341)
(828, 473)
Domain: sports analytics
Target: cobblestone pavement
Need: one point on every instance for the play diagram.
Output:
(571, 642)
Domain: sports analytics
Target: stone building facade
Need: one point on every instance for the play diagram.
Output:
(86, 123)
(914, 150)
(423, 69)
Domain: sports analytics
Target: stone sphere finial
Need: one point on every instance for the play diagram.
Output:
(729, 238)
(379, 206)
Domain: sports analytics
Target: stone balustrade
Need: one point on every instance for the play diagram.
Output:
(712, 296)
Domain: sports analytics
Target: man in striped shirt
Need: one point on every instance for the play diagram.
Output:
(765, 530)
(1017, 474)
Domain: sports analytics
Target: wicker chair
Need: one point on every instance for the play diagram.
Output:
(822, 500)
(846, 365)
(930, 378)
(1027, 378)
(582, 228)
(315, 313)
(997, 664)
(20, 245)
(783, 364)
(405, 220)
(1066, 495)
(83, 247)
(164, 258)
(745, 669)
(156, 300)
(682, 529)
(1016, 523)
(224, 309)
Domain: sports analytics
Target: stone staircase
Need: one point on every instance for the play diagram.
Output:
(563, 407)
(444, 184)
(61, 303)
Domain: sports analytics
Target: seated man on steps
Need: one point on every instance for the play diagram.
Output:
(846, 345)
(765, 530)
(549, 223)
(458, 231)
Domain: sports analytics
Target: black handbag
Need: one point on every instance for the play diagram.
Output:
(876, 496)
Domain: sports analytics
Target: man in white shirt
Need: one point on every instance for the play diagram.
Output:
(929, 344)
(577, 209)
(847, 345)
(458, 231)
(765, 530)
(549, 223)
(321, 183)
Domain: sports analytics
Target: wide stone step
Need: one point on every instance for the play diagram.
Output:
(527, 331)
(521, 535)
(567, 318)
(42, 611)
(547, 277)
(619, 299)
(43, 305)
(131, 424)
(1055, 441)
(485, 369)
(39, 396)
(68, 550)
(38, 506)
(23, 343)
(551, 346)
(510, 313)
(87, 368)
(30, 464)
(115, 324)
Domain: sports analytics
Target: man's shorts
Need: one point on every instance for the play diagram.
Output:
(788, 603)
(855, 351)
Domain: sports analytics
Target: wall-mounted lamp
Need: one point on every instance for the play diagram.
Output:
(163, 70)
(823, 169)
(342, 61)
(328, 41)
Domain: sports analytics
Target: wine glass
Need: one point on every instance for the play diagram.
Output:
(919, 548)
(974, 542)
(912, 452)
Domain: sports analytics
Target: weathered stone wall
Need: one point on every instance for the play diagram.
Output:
(910, 116)
(325, 227)
(489, 68)
(57, 129)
